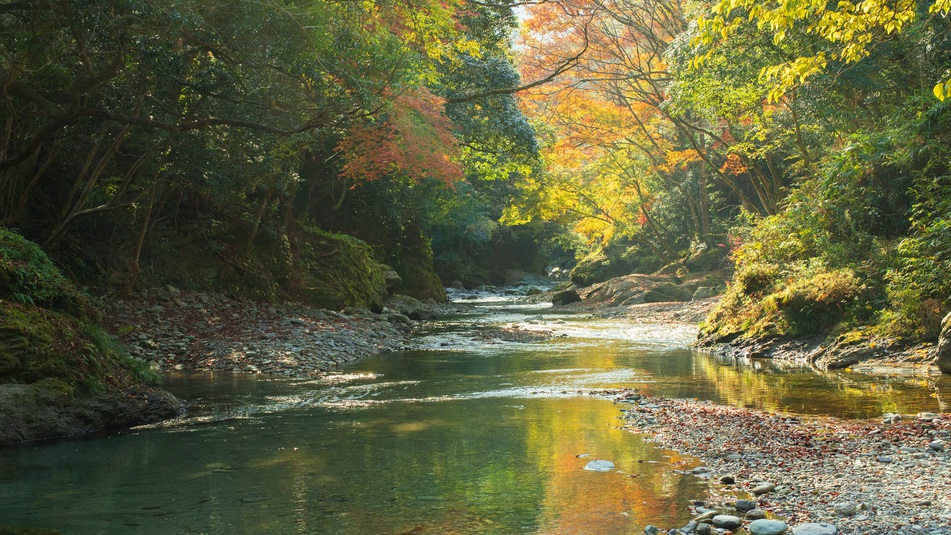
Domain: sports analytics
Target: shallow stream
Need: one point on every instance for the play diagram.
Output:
(467, 436)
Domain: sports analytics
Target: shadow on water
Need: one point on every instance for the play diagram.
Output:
(470, 436)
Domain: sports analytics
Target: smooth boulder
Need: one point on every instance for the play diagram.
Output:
(767, 527)
(727, 521)
(599, 466)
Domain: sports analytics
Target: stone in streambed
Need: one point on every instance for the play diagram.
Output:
(399, 318)
(704, 529)
(599, 466)
(755, 514)
(727, 521)
(845, 508)
(651, 530)
(565, 298)
(745, 505)
(763, 489)
(815, 528)
(937, 445)
(767, 527)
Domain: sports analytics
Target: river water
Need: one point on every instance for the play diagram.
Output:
(467, 436)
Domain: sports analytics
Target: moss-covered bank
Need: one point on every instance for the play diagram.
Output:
(60, 374)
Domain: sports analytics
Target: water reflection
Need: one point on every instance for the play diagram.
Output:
(480, 465)
(465, 438)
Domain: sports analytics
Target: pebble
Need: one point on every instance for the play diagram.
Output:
(651, 530)
(848, 477)
(937, 445)
(845, 508)
(755, 514)
(704, 529)
(213, 332)
(763, 489)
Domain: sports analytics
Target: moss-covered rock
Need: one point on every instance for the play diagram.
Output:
(596, 267)
(38, 344)
(336, 271)
(761, 305)
(60, 374)
(414, 263)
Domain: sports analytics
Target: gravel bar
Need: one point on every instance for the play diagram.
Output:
(885, 476)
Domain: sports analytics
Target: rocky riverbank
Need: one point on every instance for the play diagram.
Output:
(184, 330)
(817, 475)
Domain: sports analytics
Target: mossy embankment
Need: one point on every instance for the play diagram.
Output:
(60, 373)
(800, 294)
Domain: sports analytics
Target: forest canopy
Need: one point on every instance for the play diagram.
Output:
(803, 144)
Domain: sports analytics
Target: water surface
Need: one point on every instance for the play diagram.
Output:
(469, 436)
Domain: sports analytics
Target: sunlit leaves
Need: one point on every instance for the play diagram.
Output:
(850, 30)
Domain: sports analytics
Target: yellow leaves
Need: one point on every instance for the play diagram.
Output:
(942, 90)
(788, 75)
(849, 27)
(940, 6)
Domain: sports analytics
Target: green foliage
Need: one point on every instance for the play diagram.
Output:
(28, 276)
(918, 286)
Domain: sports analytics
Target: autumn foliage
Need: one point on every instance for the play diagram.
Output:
(413, 138)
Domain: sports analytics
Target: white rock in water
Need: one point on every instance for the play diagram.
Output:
(599, 466)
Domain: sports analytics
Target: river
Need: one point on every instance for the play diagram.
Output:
(468, 435)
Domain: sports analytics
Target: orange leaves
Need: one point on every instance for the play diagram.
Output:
(734, 166)
(414, 139)
(676, 160)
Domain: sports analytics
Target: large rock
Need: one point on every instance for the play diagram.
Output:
(727, 521)
(39, 411)
(667, 292)
(767, 527)
(60, 373)
(565, 298)
(944, 345)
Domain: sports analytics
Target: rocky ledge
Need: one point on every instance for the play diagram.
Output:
(40, 411)
(184, 330)
(815, 476)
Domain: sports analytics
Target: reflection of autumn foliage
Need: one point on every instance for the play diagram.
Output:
(415, 138)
